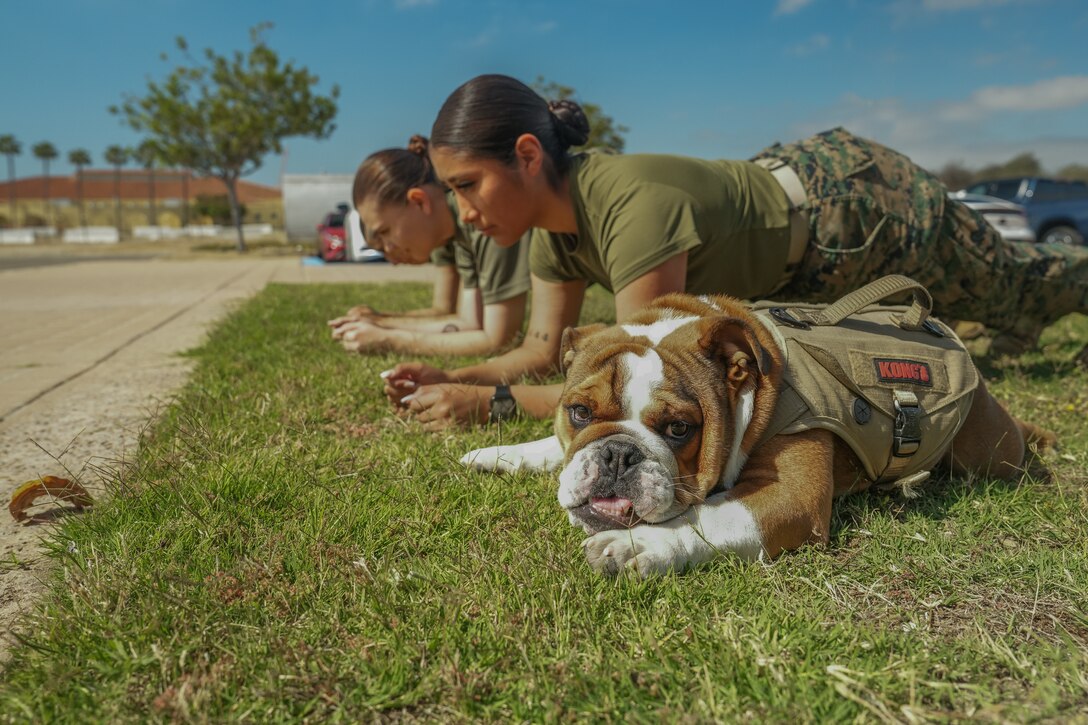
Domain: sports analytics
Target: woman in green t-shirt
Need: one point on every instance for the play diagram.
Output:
(808, 221)
(444, 296)
(410, 217)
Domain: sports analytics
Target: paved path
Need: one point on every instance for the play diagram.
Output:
(89, 353)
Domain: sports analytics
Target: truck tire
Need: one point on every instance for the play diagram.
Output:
(1063, 235)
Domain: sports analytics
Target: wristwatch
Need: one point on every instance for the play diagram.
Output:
(503, 405)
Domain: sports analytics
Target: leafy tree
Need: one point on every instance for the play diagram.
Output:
(11, 148)
(215, 206)
(1023, 165)
(1074, 172)
(45, 152)
(80, 158)
(955, 176)
(604, 133)
(221, 118)
(117, 156)
(185, 174)
(148, 154)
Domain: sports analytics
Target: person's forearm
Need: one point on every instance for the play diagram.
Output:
(438, 323)
(447, 284)
(472, 342)
(537, 401)
(425, 312)
(508, 367)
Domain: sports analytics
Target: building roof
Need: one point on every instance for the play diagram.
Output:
(102, 185)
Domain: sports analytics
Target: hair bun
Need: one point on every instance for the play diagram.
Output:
(418, 145)
(570, 121)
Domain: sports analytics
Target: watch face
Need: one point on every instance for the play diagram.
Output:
(502, 409)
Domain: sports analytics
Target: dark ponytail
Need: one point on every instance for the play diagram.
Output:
(388, 175)
(485, 116)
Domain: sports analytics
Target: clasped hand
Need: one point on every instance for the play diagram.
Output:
(359, 313)
(426, 393)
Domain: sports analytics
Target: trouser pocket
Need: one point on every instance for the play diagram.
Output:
(855, 240)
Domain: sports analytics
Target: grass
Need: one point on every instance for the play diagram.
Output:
(284, 549)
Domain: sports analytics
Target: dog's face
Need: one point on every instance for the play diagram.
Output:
(655, 414)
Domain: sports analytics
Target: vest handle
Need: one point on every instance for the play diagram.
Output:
(913, 319)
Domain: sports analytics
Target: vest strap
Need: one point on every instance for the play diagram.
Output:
(906, 433)
(907, 436)
(914, 318)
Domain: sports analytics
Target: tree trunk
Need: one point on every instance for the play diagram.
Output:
(82, 210)
(11, 190)
(117, 199)
(235, 212)
(45, 196)
(151, 196)
(185, 198)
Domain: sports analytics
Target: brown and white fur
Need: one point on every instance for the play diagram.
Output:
(658, 431)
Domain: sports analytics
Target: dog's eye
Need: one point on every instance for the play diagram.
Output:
(677, 429)
(580, 415)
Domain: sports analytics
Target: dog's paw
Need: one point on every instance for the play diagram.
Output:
(493, 458)
(542, 455)
(645, 550)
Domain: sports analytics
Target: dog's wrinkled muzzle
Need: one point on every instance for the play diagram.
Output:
(613, 483)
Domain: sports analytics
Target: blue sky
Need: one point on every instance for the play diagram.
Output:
(975, 81)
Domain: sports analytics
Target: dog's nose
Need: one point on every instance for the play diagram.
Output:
(620, 456)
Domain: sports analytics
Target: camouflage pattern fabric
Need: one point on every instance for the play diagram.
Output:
(873, 212)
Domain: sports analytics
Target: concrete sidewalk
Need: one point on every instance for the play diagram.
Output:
(60, 322)
(90, 353)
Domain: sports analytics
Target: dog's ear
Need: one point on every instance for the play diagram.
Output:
(734, 343)
(572, 340)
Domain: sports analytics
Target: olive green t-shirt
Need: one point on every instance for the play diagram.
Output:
(500, 273)
(443, 256)
(635, 212)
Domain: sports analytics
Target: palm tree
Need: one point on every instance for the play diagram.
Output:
(147, 153)
(46, 152)
(117, 156)
(80, 158)
(185, 175)
(11, 148)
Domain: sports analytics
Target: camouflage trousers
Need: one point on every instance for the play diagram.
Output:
(872, 212)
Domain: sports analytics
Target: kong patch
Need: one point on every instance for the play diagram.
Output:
(892, 370)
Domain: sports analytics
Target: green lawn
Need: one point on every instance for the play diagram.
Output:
(285, 549)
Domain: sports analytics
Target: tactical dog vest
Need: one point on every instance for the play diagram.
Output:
(893, 383)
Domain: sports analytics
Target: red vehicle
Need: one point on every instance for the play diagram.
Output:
(331, 237)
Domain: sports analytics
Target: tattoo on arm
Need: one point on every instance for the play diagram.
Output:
(451, 328)
(539, 335)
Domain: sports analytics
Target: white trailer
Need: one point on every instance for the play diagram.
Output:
(307, 198)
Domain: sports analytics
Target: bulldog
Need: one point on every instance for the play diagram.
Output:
(671, 456)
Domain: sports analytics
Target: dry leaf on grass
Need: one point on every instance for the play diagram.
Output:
(60, 488)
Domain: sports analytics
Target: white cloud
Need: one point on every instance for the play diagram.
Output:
(934, 134)
(1046, 95)
(907, 12)
(953, 5)
(987, 60)
(500, 27)
(814, 44)
(484, 38)
(412, 4)
(789, 7)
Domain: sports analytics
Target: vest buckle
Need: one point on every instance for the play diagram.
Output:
(783, 315)
(907, 435)
(931, 327)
